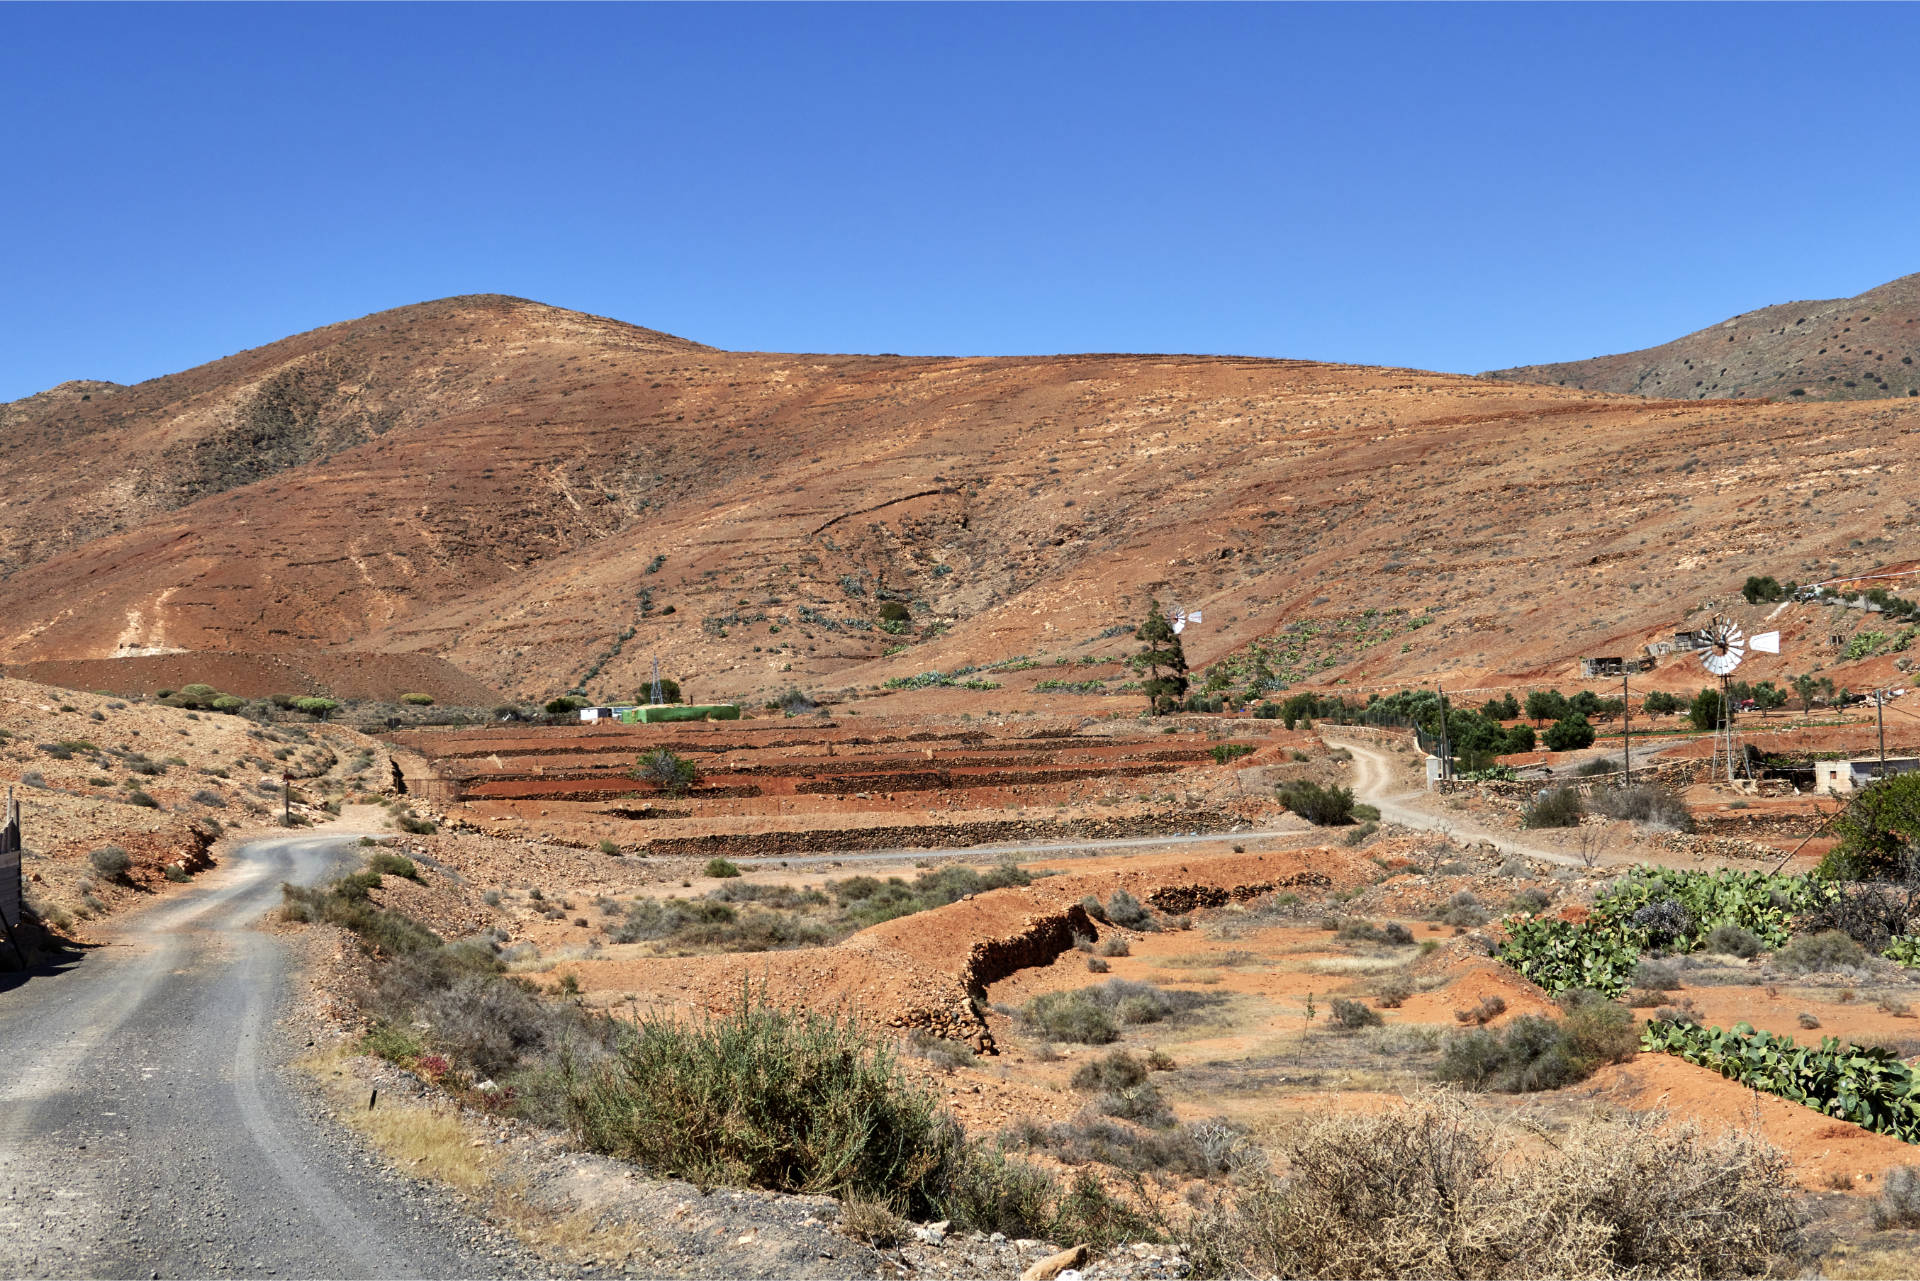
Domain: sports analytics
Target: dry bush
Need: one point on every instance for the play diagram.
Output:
(873, 1222)
(1898, 1205)
(1488, 1009)
(1442, 1188)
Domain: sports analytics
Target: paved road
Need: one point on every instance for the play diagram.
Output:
(1373, 782)
(145, 1129)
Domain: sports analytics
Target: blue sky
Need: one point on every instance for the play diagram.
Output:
(1444, 187)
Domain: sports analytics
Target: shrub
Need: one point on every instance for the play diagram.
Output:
(1393, 991)
(1560, 807)
(1093, 1015)
(1535, 1052)
(1464, 910)
(608, 847)
(1484, 1011)
(387, 863)
(1352, 1015)
(1440, 1188)
(318, 708)
(720, 867)
(1656, 807)
(417, 700)
(210, 798)
(1808, 1022)
(1731, 940)
(1114, 1070)
(1898, 1205)
(1071, 1016)
(1126, 911)
(1321, 806)
(1392, 932)
(667, 770)
(1097, 966)
(1115, 945)
(1655, 976)
(1202, 1150)
(414, 825)
(111, 861)
(138, 797)
(1830, 950)
(788, 1100)
(1530, 901)
(1662, 921)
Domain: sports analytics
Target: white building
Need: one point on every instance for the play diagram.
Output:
(1838, 777)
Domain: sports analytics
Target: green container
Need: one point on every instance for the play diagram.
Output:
(689, 712)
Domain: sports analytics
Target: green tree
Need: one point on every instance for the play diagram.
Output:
(1661, 703)
(1504, 708)
(1160, 651)
(1767, 696)
(1804, 686)
(1879, 832)
(1569, 734)
(1758, 589)
(1546, 705)
(669, 692)
(1704, 711)
(318, 708)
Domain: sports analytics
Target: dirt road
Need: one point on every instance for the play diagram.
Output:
(146, 1129)
(1373, 783)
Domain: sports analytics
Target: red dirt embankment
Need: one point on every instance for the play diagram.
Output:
(932, 969)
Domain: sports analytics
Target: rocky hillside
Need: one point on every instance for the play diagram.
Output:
(1860, 348)
(550, 500)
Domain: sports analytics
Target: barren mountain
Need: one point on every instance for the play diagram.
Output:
(551, 500)
(1838, 349)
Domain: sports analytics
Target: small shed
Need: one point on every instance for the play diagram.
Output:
(1603, 666)
(593, 715)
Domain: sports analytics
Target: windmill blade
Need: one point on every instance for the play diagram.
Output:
(1766, 642)
(1194, 617)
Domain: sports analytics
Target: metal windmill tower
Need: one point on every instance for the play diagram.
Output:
(658, 696)
(1722, 646)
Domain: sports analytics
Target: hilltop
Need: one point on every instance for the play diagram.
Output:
(1860, 348)
(505, 496)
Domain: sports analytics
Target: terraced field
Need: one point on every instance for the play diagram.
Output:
(815, 785)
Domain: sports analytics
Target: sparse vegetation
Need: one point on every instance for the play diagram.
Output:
(1560, 807)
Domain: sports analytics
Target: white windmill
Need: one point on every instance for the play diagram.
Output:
(1722, 646)
(1180, 618)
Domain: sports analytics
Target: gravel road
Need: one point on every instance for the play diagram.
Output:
(148, 1127)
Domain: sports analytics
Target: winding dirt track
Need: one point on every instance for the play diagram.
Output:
(1373, 783)
(146, 1130)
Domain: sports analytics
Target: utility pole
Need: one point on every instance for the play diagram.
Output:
(1880, 714)
(1446, 742)
(1626, 733)
(286, 799)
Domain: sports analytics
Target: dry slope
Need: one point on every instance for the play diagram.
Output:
(550, 500)
(1835, 349)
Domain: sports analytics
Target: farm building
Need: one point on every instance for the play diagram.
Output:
(1850, 776)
